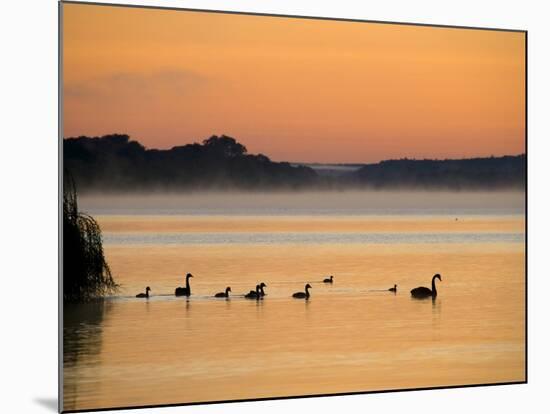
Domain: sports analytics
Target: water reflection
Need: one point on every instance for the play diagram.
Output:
(436, 318)
(82, 341)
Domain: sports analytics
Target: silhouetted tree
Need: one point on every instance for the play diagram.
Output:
(86, 274)
(116, 163)
(224, 146)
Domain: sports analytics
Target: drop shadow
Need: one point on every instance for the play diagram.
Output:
(51, 404)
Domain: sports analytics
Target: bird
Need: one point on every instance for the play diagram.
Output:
(223, 294)
(254, 294)
(424, 292)
(186, 291)
(328, 280)
(144, 295)
(303, 295)
(393, 289)
(261, 286)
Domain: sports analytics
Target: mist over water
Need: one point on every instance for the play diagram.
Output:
(309, 203)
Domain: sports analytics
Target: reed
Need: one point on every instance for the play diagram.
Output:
(86, 274)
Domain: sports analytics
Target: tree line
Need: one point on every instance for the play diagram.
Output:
(116, 163)
(473, 173)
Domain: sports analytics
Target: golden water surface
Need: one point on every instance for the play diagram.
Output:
(351, 336)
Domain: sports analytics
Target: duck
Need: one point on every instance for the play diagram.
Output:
(184, 291)
(144, 295)
(223, 294)
(393, 289)
(303, 295)
(328, 280)
(424, 292)
(254, 294)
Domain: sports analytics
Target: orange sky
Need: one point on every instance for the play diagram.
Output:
(293, 89)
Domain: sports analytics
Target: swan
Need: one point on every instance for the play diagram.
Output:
(223, 294)
(186, 291)
(257, 294)
(144, 295)
(328, 280)
(262, 293)
(303, 295)
(393, 289)
(424, 292)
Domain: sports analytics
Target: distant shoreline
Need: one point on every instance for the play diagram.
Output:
(115, 164)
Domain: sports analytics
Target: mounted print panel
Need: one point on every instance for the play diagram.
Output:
(260, 206)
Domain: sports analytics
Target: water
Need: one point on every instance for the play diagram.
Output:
(350, 336)
(315, 238)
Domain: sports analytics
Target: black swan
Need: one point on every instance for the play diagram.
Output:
(393, 289)
(424, 292)
(261, 286)
(254, 294)
(186, 291)
(144, 295)
(223, 294)
(303, 295)
(328, 280)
